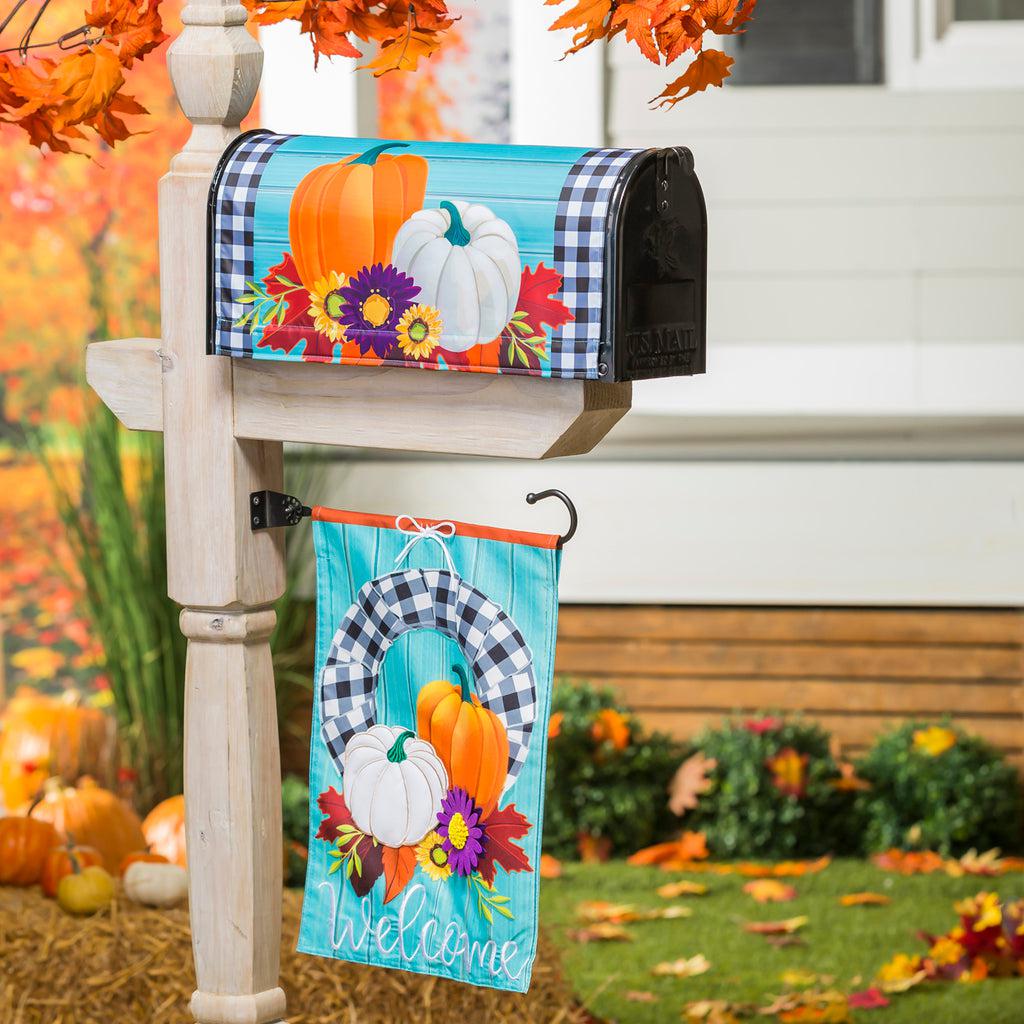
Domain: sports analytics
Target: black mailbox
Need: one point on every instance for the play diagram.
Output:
(555, 262)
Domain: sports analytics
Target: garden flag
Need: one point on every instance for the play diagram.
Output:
(435, 646)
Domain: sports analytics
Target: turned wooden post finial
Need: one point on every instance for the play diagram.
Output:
(215, 65)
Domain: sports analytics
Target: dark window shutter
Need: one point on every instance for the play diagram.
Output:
(810, 42)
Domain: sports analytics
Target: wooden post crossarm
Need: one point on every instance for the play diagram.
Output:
(384, 408)
(224, 421)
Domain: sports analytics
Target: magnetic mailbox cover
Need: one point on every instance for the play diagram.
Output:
(558, 262)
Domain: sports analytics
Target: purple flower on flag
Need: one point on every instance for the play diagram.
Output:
(459, 826)
(374, 301)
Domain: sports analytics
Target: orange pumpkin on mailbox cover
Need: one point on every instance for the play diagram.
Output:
(469, 739)
(344, 216)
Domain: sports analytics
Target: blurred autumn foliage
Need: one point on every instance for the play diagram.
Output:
(78, 257)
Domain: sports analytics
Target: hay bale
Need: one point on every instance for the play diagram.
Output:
(134, 965)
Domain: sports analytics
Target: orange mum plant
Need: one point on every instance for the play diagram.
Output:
(663, 30)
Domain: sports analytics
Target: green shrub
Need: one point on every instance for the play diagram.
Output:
(928, 798)
(617, 796)
(295, 822)
(750, 811)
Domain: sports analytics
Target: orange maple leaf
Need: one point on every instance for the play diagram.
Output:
(638, 18)
(710, 67)
(88, 81)
(404, 53)
(135, 28)
(726, 17)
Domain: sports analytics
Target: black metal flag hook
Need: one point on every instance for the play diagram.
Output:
(532, 499)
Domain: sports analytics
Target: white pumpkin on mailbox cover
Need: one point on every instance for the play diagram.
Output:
(394, 783)
(465, 261)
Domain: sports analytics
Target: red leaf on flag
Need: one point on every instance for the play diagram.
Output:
(499, 830)
(333, 805)
(399, 864)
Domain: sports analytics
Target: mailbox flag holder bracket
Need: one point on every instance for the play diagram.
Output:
(269, 509)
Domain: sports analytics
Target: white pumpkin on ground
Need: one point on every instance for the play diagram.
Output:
(393, 783)
(465, 261)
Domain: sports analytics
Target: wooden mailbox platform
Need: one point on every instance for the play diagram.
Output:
(224, 421)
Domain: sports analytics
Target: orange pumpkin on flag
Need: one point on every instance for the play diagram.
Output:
(469, 739)
(344, 216)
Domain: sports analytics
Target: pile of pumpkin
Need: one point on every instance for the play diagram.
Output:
(76, 840)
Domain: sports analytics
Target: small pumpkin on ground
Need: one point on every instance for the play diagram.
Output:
(155, 885)
(94, 816)
(85, 891)
(469, 738)
(141, 857)
(24, 846)
(61, 861)
(164, 829)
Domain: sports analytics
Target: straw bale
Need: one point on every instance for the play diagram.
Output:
(133, 965)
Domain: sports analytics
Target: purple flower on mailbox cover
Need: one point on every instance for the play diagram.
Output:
(375, 300)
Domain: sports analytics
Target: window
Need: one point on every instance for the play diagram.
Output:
(988, 10)
(955, 44)
(808, 42)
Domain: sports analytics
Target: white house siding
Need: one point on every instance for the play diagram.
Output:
(859, 436)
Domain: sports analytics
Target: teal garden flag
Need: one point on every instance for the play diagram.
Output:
(434, 659)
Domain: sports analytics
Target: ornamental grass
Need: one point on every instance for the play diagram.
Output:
(133, 964)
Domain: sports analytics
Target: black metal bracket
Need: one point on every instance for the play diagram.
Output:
(268, 509)
(574, 519)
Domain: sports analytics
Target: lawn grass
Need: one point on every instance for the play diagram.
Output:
(844, 942)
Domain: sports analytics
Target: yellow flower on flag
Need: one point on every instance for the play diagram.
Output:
(934, 740)
(433, 858)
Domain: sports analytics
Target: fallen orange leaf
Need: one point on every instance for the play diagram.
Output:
(909, 862)
(690, 846)
(687, 967)
(784, 927)
(603, 931)
(769, 890)
(672, 890)
(864, 899)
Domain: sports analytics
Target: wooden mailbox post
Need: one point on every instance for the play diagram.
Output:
(224, 421)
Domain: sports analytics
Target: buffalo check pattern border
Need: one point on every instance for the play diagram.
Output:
(398, 602)
(234, 214)
(580, 237)
(579, 249)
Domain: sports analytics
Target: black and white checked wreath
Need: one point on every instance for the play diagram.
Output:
(438, 599)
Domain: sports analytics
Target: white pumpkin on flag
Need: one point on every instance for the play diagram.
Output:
(394, 783)
(465, 261)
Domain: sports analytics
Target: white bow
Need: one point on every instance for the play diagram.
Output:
(417, 532)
